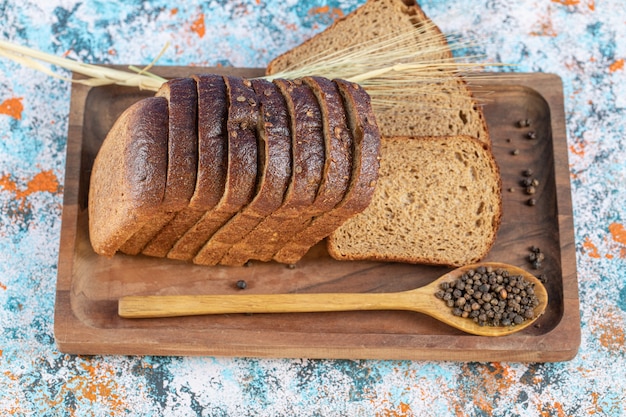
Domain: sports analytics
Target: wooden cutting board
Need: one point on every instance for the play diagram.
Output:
(88, 286)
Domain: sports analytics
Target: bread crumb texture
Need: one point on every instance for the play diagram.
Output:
(437, 201)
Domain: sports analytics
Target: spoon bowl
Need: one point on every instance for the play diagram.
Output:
(421, 300)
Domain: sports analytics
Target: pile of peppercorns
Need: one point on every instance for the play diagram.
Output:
(490, 297)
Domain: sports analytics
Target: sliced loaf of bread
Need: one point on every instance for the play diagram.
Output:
(212, 161)
(358, 131)
(307, 169)
(274, 137)
(241, 173)
(437, 201)
(447, 109)
(128, 179)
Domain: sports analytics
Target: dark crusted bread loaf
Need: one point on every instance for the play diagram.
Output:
(181, 160)
(437, 201)
(364, 137)
(211, 143)
(307, 170)
(128, 178)
(452, 112)
(274, 150)
(241, 173)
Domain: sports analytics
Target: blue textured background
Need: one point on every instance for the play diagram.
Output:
(583, 41)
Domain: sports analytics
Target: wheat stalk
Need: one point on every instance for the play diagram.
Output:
(393, 69)
(97, 75)
(400, 68)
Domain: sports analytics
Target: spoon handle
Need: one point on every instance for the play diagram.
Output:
(190, 305)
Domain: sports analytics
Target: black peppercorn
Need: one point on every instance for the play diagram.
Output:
(241, 284)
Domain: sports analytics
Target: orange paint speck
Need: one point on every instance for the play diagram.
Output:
(567, 2)
(12, 107)
(545, 27)
(618, 232)
(198, 26)
(592, 249)
(44, 181)
(8, 185)
(326, 10)
(577, 150)
(4, 287)
(617, 65)
(609, 327)
(174, 11)
(319, 10)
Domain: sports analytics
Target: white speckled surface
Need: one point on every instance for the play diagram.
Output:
(583, 41)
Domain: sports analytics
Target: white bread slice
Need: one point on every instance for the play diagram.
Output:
(450, 109)
(437, 201)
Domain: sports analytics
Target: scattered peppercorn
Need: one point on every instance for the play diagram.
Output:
(490, 297)
(524, 123)
(530, 190)
(241, 284)
(535, 257)
(531, 202)
(291, 266)
(515, 152)
(531, 135)
(527, 172)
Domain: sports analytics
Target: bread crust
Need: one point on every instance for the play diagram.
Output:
(447, 212)
(450, 109)
(307, 170)
(182, 163)
(360, 134)
(128, 177)
(241, 173)
(274, 138)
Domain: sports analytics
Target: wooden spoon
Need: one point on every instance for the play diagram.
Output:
(421, 300)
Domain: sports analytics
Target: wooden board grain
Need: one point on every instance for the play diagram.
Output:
(88, 287)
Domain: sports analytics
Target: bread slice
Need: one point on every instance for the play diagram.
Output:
(181, 161)
(358, 130)
(212, 160)
(449, 109)
(437, 201)
(307, 170)
(242, 167)
(182, 95)
(274, 137)
(128, 178)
